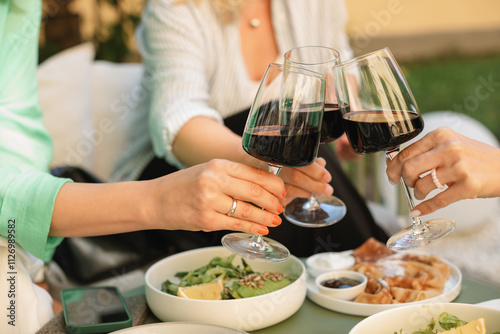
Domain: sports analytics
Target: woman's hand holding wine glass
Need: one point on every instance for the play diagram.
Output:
(282, 129)
(380, 114)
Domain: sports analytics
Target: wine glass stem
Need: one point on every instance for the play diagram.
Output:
(312, 203)
(416, 222)
(257, 242)
(274, 169)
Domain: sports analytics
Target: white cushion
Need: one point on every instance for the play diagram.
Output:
(64, 88)
(88, 107)
(116, 90)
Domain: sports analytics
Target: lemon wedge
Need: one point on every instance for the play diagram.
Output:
(474, 327)
(205, 291)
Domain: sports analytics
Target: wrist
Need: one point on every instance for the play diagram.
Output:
(148, 207)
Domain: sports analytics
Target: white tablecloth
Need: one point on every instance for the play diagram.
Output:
(475, 252)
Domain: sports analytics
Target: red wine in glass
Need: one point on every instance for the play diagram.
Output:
(283, 145)
(331, 127)
(375, 131)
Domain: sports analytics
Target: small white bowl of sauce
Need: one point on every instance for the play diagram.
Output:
(341, 284)
(320, 263)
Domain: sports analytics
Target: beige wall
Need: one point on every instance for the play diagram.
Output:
(400, 17)
(416, 29)
(386, 17)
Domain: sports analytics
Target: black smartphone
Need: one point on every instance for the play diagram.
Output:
(94, 310)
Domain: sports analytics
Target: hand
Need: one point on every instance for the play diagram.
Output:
(301, 182)
(469, 168)
(344, 150)
(199, 198)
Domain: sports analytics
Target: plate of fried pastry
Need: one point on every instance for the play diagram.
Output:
(394, 279)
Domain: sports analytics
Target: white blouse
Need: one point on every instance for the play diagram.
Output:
(194, 66)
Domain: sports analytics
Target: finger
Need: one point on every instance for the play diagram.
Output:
(441, 200)
(426, 183)
(321, 161)
(315, 172)
(294, 192)
(233, 207)
(421, 156)
(264, 179)
(296, 177)
(423, 187)
(250, 212)
(250, 192)
(224, 222)
(410, 162)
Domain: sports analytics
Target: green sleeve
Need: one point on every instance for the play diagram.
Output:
(27, 190)
(27, 200)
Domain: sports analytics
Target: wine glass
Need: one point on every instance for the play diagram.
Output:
(380, 114)
(326, 210)
(283, 129)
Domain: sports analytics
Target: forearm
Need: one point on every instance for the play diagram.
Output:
(202, 139)
(97, 209)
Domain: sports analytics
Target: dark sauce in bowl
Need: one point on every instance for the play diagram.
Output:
(340, 283)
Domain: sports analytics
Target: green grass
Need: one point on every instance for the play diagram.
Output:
(467, 85)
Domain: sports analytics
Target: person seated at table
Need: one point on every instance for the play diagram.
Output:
(204, 60)
(469, 169)
(37, 209)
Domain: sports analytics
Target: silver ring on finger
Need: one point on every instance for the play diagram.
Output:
(436, 180)
(233, 208)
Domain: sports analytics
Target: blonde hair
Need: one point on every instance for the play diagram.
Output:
(226, 11)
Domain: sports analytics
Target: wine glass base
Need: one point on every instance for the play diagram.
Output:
(328, 211)
(244, 245)
(409, 237)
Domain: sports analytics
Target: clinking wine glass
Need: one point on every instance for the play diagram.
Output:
(326, 210)
(283, 129)
(380, 114)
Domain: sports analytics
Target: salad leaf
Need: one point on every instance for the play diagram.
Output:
(169, 287)
(446, 322)
(449, 321)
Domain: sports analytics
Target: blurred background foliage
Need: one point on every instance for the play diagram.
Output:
(114, 22)
(469, 85)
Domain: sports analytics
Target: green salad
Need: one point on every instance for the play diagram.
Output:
(445, 322)
(239, 281)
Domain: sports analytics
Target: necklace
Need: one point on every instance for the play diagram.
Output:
(254, 23)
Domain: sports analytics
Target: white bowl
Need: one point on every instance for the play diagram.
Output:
(320, 263)
(341, 293)
(246, 314)
(178, 328)
(412, 318)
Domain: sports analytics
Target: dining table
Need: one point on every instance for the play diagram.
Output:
(312, 318)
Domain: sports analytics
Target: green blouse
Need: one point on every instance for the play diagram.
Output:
(27, 190)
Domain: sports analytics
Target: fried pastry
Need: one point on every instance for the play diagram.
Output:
(398, 277)
(375, 293)
(402, 295)
(371, 250)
